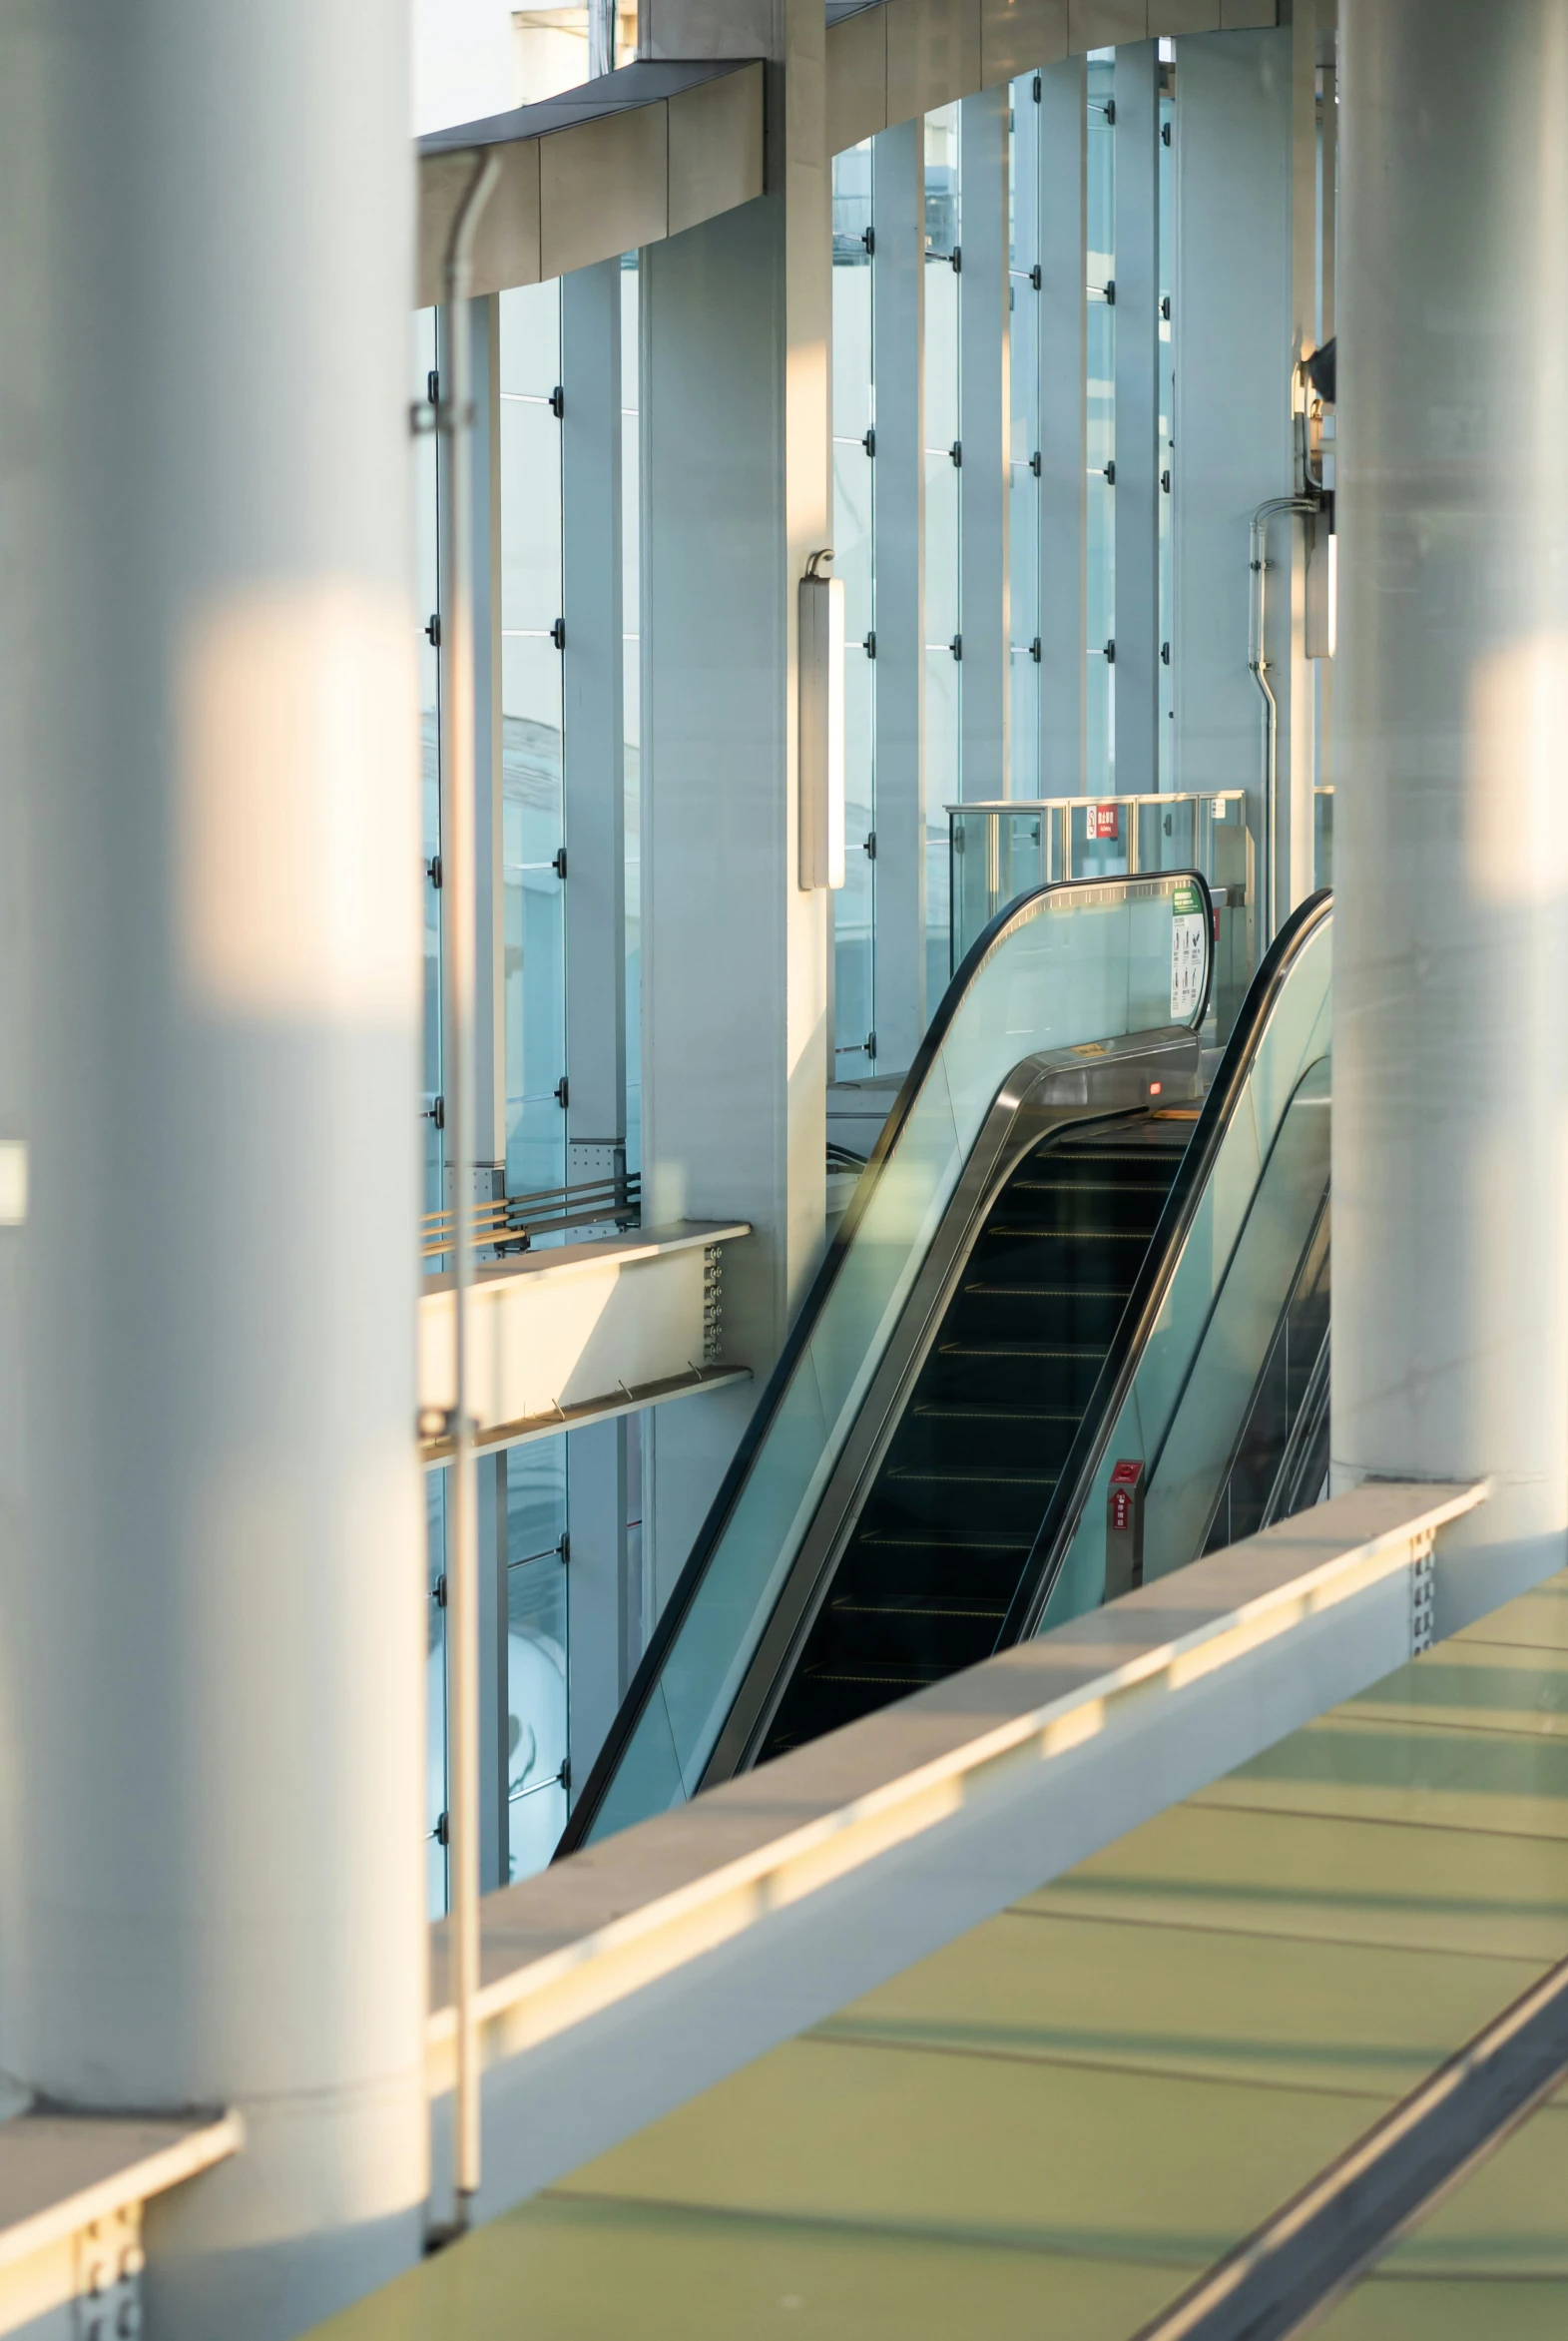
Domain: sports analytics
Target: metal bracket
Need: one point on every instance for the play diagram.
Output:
(108, 2277)
(1423, 1589)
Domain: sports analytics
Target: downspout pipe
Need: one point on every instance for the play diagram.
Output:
(1257, 662)
(455, 422)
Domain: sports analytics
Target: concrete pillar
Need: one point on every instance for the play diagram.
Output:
(899, 521)
(1138, 456)
(735, 442)
(212, 1658)
(985, 420)
(1064, 425)
(1245, 306)
(1451, 1179)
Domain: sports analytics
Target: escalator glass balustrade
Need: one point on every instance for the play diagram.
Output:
(1055, 1263)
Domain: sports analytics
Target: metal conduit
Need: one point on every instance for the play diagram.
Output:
(454, 420)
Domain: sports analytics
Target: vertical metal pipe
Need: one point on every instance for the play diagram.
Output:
(458, 978)
(1450, 1109)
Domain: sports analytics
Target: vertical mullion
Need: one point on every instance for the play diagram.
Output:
(1137, 237)
(985, 403)
(1064, 440)
(898, 337)
(592, 746)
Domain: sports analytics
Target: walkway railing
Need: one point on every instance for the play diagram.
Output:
(511, 1222)
(627, 1978)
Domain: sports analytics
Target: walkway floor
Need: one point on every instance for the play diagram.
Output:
(1056, 2122)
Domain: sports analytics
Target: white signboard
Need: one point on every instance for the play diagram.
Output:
(1187, 953)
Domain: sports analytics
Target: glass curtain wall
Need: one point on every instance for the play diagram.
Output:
(944, 466)
(1023, 519)
(855, 477)
(1101, 549)
(533, 832)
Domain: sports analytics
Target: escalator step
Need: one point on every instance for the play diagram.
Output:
(929, 1574)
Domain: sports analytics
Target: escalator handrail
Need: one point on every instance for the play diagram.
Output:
(1076, 1482)
(1007, 922)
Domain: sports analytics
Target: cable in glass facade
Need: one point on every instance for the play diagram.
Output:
(1099, 719)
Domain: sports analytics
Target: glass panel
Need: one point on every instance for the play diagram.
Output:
(1297, 1036)
(535, 1498)
(436, 1692)
(1074, 965)
(536, 1675)
(1186, 1477)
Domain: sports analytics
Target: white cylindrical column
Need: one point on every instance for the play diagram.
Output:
(1450, 1148)
(212, 1650)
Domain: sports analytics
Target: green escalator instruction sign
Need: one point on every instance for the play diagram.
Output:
(1186, 952)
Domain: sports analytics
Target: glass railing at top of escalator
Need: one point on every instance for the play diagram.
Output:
(1283, 1033)
(999, 850)
(1071, 965)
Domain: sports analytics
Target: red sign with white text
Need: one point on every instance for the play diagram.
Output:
(1104, 821)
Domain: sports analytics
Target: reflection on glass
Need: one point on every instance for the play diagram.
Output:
(538, 1623)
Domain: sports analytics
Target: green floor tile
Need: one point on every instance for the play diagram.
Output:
(1289, 2013)
(1345, 1881)
(1420, 1773)
(574, 2272)
(991, 2150)
(1535, 1622)
(1451, 2309)
(1480, 1686)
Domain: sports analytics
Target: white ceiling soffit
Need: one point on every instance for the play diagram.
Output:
(898, 58)
(623, 161)
(641, 153)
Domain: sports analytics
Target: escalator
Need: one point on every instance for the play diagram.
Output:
(936, 1558)
(1054, 1270)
